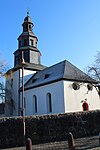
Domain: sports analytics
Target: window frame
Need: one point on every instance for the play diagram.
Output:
(34, 104)
(49, 103)
(31, 42)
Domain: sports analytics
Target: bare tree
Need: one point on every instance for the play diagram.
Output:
(94, 69)
(2, 92)
(3, 69)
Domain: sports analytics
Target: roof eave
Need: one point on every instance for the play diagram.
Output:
(56, 80)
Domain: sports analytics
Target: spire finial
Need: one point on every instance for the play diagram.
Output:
(27, 11)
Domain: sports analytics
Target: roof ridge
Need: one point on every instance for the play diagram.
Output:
(53, 65)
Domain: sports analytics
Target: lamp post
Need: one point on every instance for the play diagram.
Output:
(23, 104)
(23, 101)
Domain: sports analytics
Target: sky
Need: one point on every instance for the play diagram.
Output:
(66, 29)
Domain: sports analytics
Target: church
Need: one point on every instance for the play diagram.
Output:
(35, 89)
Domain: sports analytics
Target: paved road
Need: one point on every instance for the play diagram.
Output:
(88, 143)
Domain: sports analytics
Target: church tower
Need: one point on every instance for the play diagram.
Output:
(28, 55)
(27, 45)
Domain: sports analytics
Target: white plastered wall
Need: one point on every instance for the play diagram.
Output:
(56, 90)
(73, 98)
(12, 84)
(13, 93)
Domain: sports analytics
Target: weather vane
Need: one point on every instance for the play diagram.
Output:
(27, 11)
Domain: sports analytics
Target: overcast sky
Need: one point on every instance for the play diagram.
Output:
(66, 29)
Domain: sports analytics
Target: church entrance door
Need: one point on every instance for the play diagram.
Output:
(85, 106)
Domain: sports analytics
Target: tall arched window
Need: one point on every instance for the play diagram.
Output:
(24, 102)
(11, 107)
(23, 110)
(49, 103)
(24, 106)
(34, 104)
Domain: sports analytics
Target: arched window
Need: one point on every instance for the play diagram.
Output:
(31, 42)
(19, 43)
(30, 27)
(25, 42)
(11, 107)
(49, 103)
(34, 104)
(24, 102)
(23, 110)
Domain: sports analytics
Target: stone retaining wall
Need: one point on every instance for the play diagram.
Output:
(48, 128)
